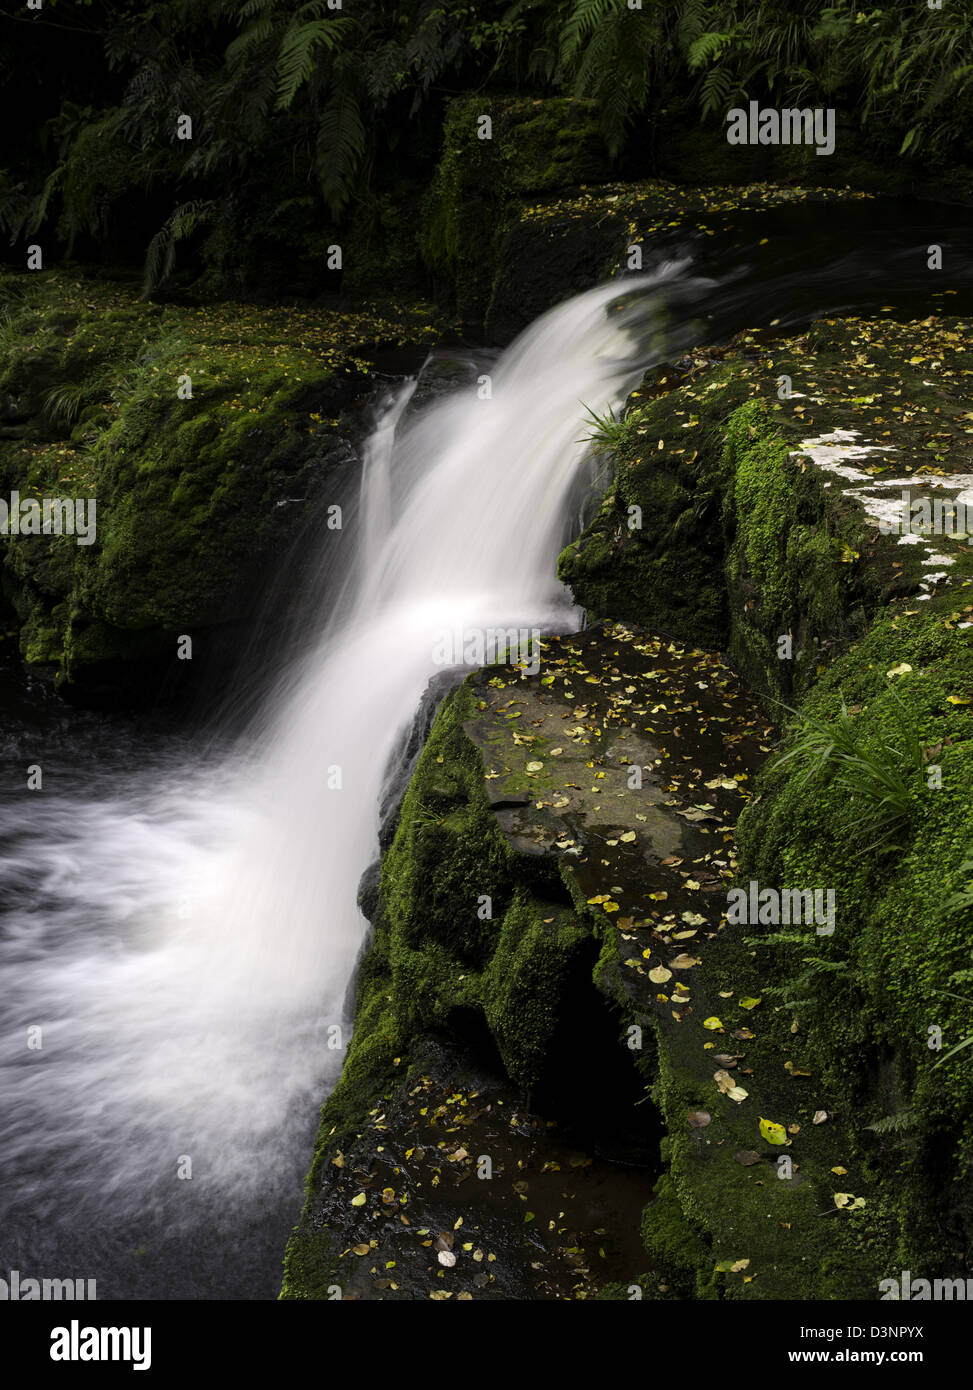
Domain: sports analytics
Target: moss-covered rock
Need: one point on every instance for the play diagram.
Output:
(871, 998)
(737, 519)
(466, 925)
(880, 627)
(514, 224)
(529, 149)
(207, 437)
(474, 965)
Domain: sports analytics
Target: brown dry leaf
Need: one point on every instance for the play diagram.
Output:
(740, 1264)
(724, 1081)
(659, 975)
(698, 1119)
(361, 1249)
(746, 1157)
(819, 1117)
(684, 962)
(793, 1129)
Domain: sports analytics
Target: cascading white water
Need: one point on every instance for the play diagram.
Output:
(194, 932)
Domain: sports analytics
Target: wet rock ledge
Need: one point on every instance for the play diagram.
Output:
(594, 805)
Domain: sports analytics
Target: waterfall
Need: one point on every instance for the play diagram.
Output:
(184, 936)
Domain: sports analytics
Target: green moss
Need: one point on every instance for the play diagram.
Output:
(192, 492)
(447, 867)
(524, 983)
(785, 575)
(678, 1254)
(536, 147)
(716, 530)
(307, 1266)
(906, 953)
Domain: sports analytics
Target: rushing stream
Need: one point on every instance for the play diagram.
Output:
(180, 921)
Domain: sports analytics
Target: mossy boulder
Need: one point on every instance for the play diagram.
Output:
(738, 519)
(208, 438)
(534, 148)
(517, 223)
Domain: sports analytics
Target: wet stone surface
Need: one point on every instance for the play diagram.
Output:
(455, 1189)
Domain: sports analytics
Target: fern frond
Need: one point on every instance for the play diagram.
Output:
(341, 141)
(256, 34)
(706, 49)
(714, 95)
(894, 1124)
(299, 52)
(586, 16)
(160, 258)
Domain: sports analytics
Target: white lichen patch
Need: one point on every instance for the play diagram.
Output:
(827, 451)
(887, 501)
